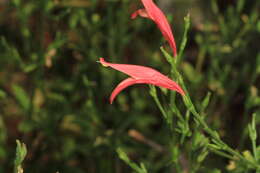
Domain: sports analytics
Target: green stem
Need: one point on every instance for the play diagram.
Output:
(184, 38)
(158, 103)
(201, 58)
(254, 150)
(178, 168)
(212, 133)
(222, 154)
(215, 136)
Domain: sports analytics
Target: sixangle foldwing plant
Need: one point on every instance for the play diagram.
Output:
(140, 75)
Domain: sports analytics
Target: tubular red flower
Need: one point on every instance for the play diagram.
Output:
(152, 12)
(140, 75)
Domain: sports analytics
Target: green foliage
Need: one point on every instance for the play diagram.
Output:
(21, 97)
(122, 155)
(54, 96)
(21, 152)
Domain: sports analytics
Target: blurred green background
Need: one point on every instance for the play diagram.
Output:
(54, 95)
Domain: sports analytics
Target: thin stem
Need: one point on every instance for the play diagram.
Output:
(158, 103)
(189, 104)
(222, 154)
(184, 38)
(253, 136)
(215, 136)
(254, 150)
(160, 107)
(178, 168)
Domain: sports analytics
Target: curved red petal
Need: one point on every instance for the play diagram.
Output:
(130, 81)
(169, 84)
(124, 84)
(159, 18)
(140, 12)
(141, 74)
(135, 71)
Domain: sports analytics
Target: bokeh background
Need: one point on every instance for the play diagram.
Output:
(54, 95)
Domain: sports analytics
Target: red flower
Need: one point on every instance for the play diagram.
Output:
(152, 12)
(140, 75)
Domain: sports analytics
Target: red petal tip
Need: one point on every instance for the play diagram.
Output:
(134, 15)
(103, 62)
(140, 12)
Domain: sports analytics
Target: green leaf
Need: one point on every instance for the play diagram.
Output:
(240, 5)
(190, 72)
(215, 171)
(123, 156)
(214, 6)
(258, 26)
(175, 153)
(59, 41)
(253, 136)
(16, 2)
(199, 140)
(252, 129)
(21, 152)
(205, 102)
(9, 52)
(29, 68)
(167, 56)
(202, 156)
(258, 62)
(2, 94)
(21, 96)
(187, 24)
